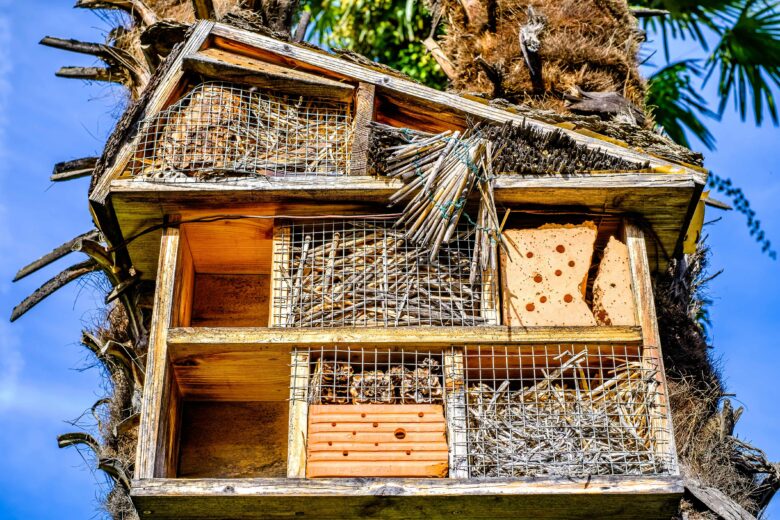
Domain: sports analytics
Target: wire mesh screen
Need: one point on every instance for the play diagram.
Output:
(342, 375)
(221, 130)
(560, 410)
(340, 273)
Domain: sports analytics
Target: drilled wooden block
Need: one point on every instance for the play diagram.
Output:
(376, 441)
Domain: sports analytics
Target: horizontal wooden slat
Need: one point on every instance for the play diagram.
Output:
(372, 446)
(421, 469)
(379, 436)
(391, 456)
(361, 428)
(196, 340)
(616, 497)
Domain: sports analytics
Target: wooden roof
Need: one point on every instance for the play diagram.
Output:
(662, 197)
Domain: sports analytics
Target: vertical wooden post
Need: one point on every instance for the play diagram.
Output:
(157, 432)
(299, 414)
(364, 114)
(651, 339)
(455, 408)
(280, 269)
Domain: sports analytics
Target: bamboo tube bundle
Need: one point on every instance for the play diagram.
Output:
(579, 428)
(440, 172)
(220, 130)
(368, 274)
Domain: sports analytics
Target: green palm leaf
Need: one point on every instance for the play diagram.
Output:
(676, 104)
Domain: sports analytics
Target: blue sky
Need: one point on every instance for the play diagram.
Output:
(44, 120)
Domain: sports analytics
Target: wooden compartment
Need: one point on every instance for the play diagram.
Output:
(224, 274)
(368, 440)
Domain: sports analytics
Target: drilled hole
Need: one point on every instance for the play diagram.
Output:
(376, 425)
(333, 424)
(400, 434)
(345, 453)
(421, 414)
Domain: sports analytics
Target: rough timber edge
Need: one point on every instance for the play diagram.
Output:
(592, 497)
(311, 60)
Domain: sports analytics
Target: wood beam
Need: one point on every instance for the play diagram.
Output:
(214, 63)
(200, 339)
(361, 132)
(299, 415)
(519, 499)
(159, 408)
(89, 74)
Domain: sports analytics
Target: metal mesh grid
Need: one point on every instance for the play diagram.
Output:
(343, 375)
(221, 130)
(364, 273)
(559, 410)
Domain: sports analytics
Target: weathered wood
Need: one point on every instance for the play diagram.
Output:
(183, 296)
(455, 401)
(136, 8)
(364, 114)
(230, 300)
(89, 74)
(215, 63)
(233, 440)
(527, 498)
(73, 272)
(153, 457)
(204, 9)
(642, 288)
(297, 432)
(74, 169)
(434, 337)
(717, 502)
(55, 254)
(111, 55)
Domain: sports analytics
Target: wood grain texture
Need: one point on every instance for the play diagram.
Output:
(223, 66)
(231, 246)
(231, 300)
(364, 114)
(395, 455)
(152, 458)
(642, 288)
(233, 440)
(297, 430)
(256, 373)
(186, 341)
(519, 499)
(455, 402)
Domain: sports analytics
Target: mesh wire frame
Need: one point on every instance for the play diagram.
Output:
(363, 273)
(220, 130)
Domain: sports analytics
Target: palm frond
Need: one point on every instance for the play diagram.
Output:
(748, 59)
(677, 105)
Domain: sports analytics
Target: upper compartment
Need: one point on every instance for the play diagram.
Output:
(238, 119)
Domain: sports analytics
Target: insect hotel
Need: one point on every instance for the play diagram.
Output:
(378, 299)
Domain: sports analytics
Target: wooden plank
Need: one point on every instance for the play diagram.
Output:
(279, 289)
(361, 133)
(65, 171)
(642, 288)
(224, 66)
(717, 501)
(403, 458)
(455, 401)
(525, 498)
(151, 452)
(231, 246)
(316, 61)
(227, 374)
(299, 410)
(233, 440)
(184, 285)
(186, 341)
(231, 300)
